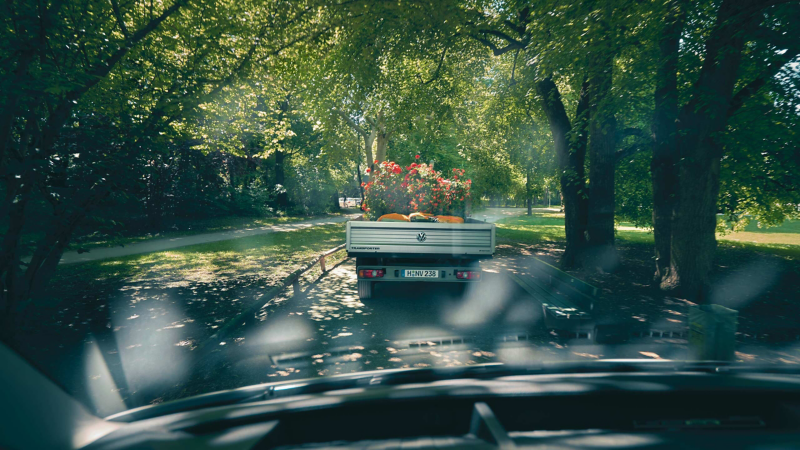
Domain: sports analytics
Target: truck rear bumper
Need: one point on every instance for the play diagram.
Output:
(444, 274)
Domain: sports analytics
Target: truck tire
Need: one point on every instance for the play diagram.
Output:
(364, 289)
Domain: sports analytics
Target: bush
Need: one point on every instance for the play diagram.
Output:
(417, 188)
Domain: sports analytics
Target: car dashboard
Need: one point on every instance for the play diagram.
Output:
(572, 411)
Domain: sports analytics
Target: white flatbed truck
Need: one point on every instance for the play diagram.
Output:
(418, 251)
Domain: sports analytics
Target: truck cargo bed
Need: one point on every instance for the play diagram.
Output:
(474, 239)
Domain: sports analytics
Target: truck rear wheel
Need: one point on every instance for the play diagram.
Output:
(365, 289)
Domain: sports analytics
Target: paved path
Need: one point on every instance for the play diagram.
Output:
(495, 214)
(157, 245)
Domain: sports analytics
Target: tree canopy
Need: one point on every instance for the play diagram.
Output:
(118, 113)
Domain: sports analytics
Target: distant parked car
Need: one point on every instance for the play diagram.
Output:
(349, 202)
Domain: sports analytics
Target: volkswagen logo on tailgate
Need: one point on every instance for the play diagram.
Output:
(421, 236)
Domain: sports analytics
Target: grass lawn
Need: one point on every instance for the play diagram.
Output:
(542, 227)
(187, 228)
(257, 256)
(191, 291)
(546, 226)
(783, 239)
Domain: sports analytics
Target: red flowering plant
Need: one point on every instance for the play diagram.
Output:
(384, 193)
(415, 188)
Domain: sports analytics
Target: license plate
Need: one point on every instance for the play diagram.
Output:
(415, 273)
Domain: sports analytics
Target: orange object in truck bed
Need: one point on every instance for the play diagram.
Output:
(394, 217)
(449, 219)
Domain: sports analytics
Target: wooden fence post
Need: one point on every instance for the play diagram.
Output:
(296, 287)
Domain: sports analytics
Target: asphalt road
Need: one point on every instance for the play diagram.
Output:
(328, 330)
(324, 330)
(152, 356)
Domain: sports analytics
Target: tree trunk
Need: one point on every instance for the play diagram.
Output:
(693, 240)
(282, 199)
(18, 285)
(382, 143)
(383, 137)
(369, 141)
(232, 182)
(528, 183)
(693, 228)
(665, 131)
(360, 187)
(602, 253)
(369, 138)
(155, 200)
(547, 194)
(570, 159)
(9, 255)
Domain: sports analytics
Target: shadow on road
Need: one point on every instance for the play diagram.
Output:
(139, 347)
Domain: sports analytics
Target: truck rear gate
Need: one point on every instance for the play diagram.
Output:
(418, 251)
(474, 239)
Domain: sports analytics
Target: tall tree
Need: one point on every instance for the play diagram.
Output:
(602, 140)
(570, 142)
(665, 131)
(572, 47)
(692, 149)
(138, 71)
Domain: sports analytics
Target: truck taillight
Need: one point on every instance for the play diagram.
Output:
(371, 273)
(467, 275)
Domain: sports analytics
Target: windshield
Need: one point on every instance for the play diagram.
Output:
(199, 196)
